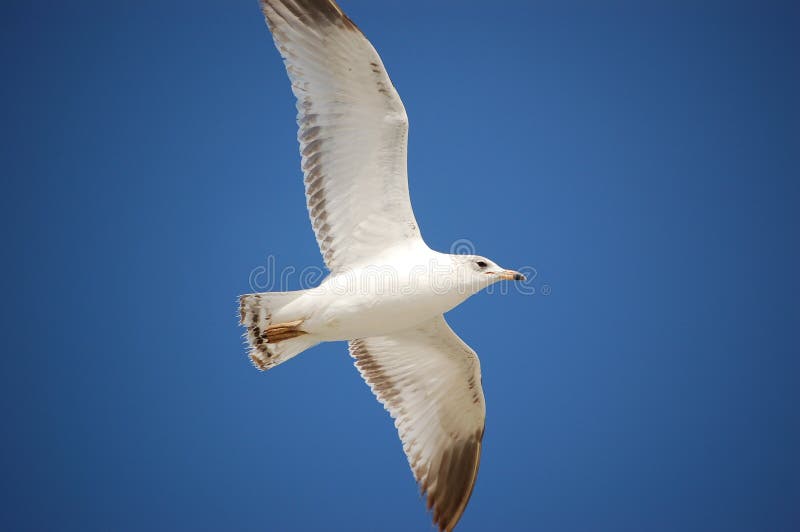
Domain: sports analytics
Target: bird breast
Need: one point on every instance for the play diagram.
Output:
(375, 301)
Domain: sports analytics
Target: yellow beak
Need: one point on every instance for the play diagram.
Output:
(511, 275)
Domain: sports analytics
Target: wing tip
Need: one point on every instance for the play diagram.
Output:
(315, 11)
(459, 470)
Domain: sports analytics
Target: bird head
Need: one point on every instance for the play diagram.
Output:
(479, 272)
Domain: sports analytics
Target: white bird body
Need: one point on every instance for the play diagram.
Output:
(380, 298)
(387, 291)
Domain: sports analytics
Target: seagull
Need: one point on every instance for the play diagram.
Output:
(387, 290)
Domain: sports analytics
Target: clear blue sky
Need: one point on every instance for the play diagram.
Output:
(643, 159)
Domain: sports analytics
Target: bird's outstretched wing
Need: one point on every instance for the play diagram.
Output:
(430, 382)
(353, 132)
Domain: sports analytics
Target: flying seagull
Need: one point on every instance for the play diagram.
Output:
(387, 290)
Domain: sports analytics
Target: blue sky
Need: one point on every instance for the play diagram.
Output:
(643, 159)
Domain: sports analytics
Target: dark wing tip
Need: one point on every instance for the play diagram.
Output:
(316, 11)
(455, 480)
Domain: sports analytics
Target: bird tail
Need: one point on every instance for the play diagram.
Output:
(273, 341)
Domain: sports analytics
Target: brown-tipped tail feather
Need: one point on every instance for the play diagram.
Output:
(272, 343)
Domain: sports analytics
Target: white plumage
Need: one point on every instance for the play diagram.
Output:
(353, 134)
(387, 290)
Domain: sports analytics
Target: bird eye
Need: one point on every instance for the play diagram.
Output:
(481, 264)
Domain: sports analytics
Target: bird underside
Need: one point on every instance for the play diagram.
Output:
(351, 117)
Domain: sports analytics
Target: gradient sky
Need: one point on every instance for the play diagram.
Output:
(643, 159)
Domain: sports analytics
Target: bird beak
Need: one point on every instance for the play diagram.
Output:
(510, 275)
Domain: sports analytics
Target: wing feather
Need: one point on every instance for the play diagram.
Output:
(429, 381)
(353, 132)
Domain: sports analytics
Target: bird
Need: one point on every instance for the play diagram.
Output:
(387, 291)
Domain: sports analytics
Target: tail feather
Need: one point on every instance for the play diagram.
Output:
(256, 312)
